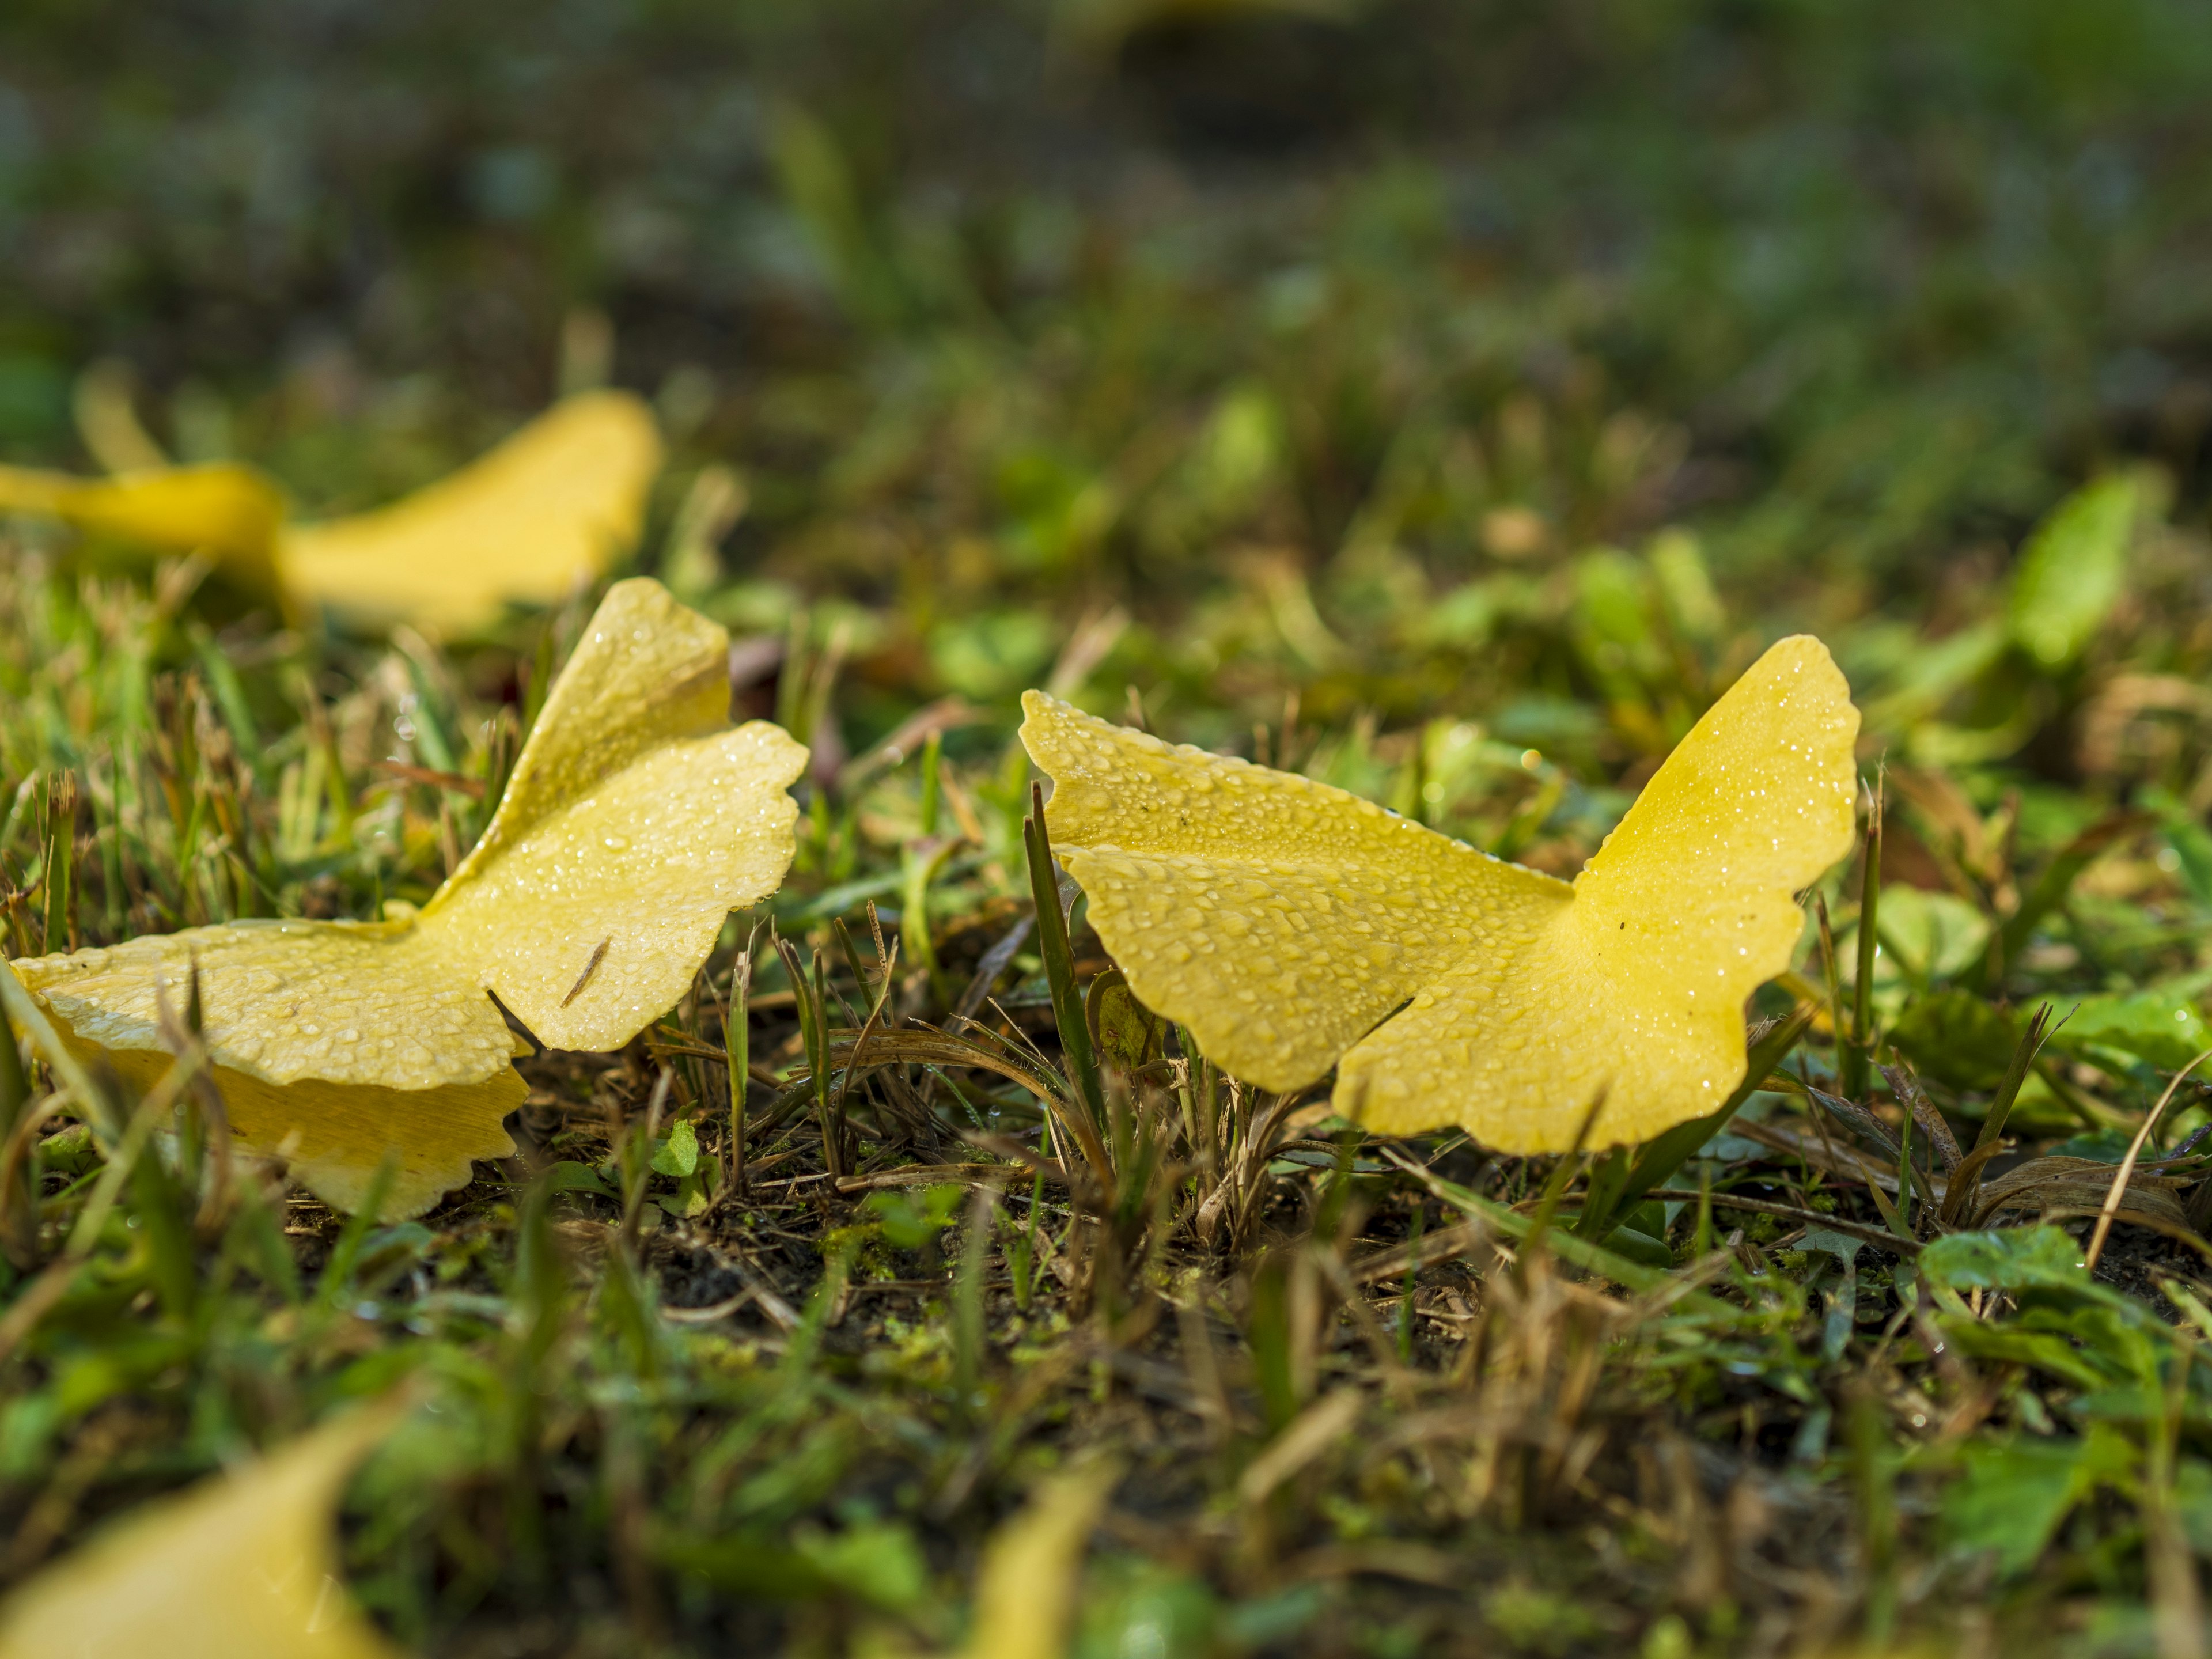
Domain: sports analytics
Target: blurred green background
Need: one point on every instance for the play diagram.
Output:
(1312, 334)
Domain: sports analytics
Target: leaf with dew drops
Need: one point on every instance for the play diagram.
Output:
(1292, 926)
(636, 818)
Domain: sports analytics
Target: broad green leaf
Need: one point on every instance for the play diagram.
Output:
(569, 1176)
(2162, 1027)
(2007, 1258)
(1931, 935)
(2010, 1496)
(909, 1218)
(2072, 571)
(1953, 1035)
(878, 1561)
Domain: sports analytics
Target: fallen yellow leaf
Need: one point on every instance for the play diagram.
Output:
(537, 518)
(1025, 1590)
(541, 514)
(1281, 920)
(240, 1567)
(637, 819)
(231, 513)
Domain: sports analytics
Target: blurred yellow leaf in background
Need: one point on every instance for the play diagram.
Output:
(240, 1567)
(1026, 1586)
(538, 517)
(542, 514)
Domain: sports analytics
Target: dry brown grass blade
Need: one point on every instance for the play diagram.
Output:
(1831, 1160)
(2110, 1208)
(1308, 1436)
(1435, 1247)
(924, 1174)
(2079, 1184)
(1908, 1090)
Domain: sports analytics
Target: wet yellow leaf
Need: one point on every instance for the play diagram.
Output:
(541, 514)
(1283, 921)
(637, 819)
(241, 1566)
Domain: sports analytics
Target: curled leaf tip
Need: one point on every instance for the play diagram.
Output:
(1293, 927)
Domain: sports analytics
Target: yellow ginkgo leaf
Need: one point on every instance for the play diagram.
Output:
(637, 819)
(1284, 921)
(231, 513)
(1026, 1586)
(241, 1566)
(541, 514)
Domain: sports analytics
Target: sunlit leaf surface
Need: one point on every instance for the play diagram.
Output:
(637, 819)
(1280, 919)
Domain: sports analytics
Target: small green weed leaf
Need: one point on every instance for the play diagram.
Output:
(1614, 606)
(2192, 846)
(678, 1155)
(2072, 571)
(1639, 1247)
(1686, 585)
(1237, 454)
(1843, 1301)
(2009, 1259)
(569, 1176)
(72, 1151)
(2104, 1145)
(1127, 1034)
(1136, 1606)
(909, 1219)
(1276, 1617)
(690, 1198)
(993, 653)
(2049, 1351)
(1541, 1621)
